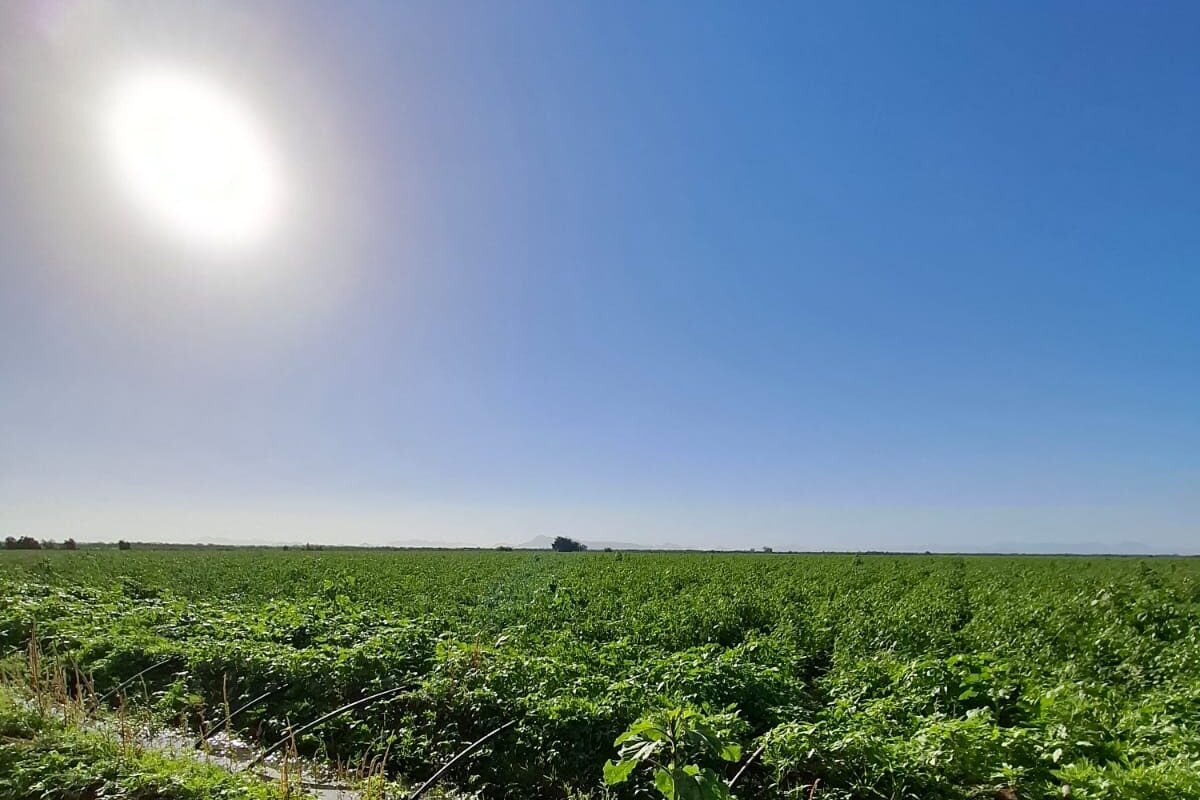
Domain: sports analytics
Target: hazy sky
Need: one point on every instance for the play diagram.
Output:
(849, 275)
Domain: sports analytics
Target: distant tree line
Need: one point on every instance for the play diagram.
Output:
(30, 543)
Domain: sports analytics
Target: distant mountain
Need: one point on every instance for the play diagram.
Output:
(1080, 548)
(1055, 548)
(426, 544)
(544, 542)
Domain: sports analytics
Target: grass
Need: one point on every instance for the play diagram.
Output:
(42, 756)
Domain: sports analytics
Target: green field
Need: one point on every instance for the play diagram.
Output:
(878, 676)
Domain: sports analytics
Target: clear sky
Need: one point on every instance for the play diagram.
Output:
(832, 276)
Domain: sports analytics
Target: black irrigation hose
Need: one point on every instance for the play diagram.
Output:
(292, 734)
(132, 678)
(424, 786)
(206, 735)
(749, 761)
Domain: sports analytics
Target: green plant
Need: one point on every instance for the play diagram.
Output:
(880, 676)
(43, 757)
(678, 743)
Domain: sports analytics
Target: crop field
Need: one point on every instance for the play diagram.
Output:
(858, 676)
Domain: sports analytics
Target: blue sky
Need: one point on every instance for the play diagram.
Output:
(815, 276)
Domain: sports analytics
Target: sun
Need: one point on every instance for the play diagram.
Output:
(192, 159)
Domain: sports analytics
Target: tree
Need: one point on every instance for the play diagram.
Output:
(69, 544)
(768, 550)
(564, 545)
(24, 543)
(123, 545)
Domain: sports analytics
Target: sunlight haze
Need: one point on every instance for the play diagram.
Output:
(833, 277)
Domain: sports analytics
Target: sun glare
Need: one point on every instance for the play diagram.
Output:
(193, 160)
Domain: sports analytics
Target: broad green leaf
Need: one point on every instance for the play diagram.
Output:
(664, 783)
(618, 771)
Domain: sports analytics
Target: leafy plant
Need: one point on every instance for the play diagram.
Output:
(880, 676)
(678, 744)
